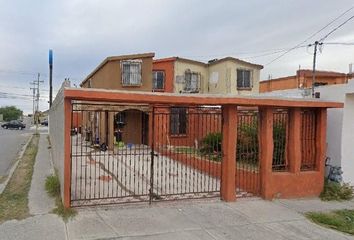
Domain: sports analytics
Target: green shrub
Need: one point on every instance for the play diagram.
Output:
(211, 143)
(247, 142)
(334, 191)
(279, 140)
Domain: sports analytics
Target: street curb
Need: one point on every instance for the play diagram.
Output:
(12, 170)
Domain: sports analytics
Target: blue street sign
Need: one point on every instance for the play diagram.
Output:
(50, 57)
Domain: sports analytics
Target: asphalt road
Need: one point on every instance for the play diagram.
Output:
(11, 142)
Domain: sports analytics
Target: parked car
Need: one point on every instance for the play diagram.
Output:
(14, 124)
(44, 123)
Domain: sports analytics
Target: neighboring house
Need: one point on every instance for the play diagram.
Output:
(224, 76)
(303, 79)
(180, 75)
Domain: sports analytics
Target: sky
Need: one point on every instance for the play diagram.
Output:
(83, 32)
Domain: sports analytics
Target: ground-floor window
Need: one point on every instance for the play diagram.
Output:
(178, 121)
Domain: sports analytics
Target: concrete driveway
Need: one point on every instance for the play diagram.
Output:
(104, 177)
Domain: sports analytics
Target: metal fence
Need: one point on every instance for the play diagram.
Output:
(247, 154)
(308, 139)
(128, 153)
(187, 143)
(110, 161)
(280, 140)
(142, 153)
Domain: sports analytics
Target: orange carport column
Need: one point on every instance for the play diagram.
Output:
(228, 166)
(294, 149)
(266, 150)
(67, 151)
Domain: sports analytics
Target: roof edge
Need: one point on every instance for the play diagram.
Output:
(115, 58)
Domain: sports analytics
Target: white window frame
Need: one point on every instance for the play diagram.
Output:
(154, 78)
(133, 76)
(243, 81)
(188, 83)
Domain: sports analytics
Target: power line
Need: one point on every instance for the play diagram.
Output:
(234, 53)
(272, 53)
(320, 44)
(339, 43)
(311, 36)
(335, 29)
(14, 87)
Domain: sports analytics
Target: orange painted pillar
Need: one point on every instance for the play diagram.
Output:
(150, 127)
(228, 165)
(321, 125)
(266, 151)
(294, 143)
(67, 152)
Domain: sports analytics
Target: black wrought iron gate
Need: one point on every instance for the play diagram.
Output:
(137, 153)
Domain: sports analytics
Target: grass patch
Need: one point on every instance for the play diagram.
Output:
(52, 186)
(212, 156)
(333, 191)
(14, 199)
(2, 179)
(340, 220)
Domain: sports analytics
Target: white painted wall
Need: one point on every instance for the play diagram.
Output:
(340, 129)
(348, 139)
(56, 134)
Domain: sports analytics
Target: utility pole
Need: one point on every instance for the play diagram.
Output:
(50, 77)
(316, 44)
(314, 69)
(33, 100)
(36, 95)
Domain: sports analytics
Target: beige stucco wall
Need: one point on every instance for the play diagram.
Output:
(227, 78)
(109, 77)
(180, 68)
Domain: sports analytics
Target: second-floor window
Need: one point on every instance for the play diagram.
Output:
(178, 121)
(244, 79)
(158, 80)
(131, 72)
(192, 80)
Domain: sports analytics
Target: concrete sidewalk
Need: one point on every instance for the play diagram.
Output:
(38, 200)
(315, 204)
(43, 224)
(244, 219)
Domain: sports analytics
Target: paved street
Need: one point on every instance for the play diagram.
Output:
(11, 142)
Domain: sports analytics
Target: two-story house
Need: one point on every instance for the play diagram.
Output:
(139, 72)
(126, 123)
(219, 76)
